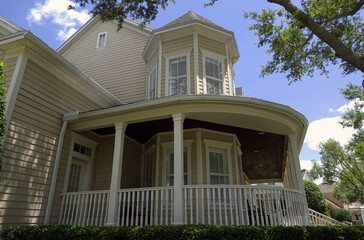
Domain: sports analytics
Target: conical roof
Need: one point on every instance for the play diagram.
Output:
(190, 16)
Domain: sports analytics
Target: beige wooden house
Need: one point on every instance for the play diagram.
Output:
(139, 127)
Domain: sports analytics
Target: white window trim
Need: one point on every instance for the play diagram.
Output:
(177, 54)
(222, 145)
(221, 57)
(156, 81)
(98, 40)
(168, 145)
(76, 138)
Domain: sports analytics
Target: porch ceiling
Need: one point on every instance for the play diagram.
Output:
(263, 152)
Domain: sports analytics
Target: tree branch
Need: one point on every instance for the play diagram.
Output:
(355, 9)
(341, 50)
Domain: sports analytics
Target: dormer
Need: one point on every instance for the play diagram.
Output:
(190, 55)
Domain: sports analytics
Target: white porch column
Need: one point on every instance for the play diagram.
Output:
(178, 167)
(296, 162)
(116, 173)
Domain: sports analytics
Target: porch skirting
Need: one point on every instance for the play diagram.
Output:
(202, 204)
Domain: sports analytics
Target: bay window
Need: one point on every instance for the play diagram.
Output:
(214, 75)
(177, 75)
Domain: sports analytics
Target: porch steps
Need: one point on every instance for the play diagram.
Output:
(319, 219)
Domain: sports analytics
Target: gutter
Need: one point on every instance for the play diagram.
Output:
(55, 173)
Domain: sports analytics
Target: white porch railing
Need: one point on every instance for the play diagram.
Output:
(145, 206)
(320, 219)
(244, 205)
(206, 204)
(84, 208)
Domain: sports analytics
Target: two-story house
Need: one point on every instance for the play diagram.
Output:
(142, 126)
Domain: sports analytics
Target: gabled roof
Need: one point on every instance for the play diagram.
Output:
(8, 27)
(91, 23)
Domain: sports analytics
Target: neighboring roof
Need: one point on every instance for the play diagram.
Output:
(326, 187)
(91, 23)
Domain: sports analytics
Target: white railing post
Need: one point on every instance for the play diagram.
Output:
(112, 213)
(178, 168)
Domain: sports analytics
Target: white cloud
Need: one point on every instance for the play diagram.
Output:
(331, 110)
(349, 106)
(56, 12)
(323, 129)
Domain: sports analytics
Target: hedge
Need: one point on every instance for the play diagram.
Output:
(195, 232)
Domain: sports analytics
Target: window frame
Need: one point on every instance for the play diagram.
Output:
(220, 145)
(167, 146)
(147, 153)
(98, 40)
(177, 54)
(155, 83)
(82, 160)
(215, 56)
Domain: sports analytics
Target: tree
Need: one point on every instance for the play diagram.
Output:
(2, 109)
(315, 199)
(308, 39)
(344, 165)
(301, 40)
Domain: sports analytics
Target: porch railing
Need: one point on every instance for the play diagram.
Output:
(320, 219)
(206, 204)
(84, 208)
(243, 205)
(145, 206)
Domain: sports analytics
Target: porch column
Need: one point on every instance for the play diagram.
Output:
(178, 167)
(296, 162)
(117, 164)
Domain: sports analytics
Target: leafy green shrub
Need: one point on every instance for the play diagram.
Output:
(332, 211)
(195, 232)
(315, 199)
(343, 215)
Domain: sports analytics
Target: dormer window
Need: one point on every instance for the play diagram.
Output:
(214, 77)
(177, 75)
(101, 40)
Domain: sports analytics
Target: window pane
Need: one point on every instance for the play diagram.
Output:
(76, 147)
(173, 67)
(182, 86)
(102, 38)
(74, 178)
(173, 87)
(182, 66)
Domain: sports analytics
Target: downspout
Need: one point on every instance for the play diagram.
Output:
(55, 173)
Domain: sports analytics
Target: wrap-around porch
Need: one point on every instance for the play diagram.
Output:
(189, 167)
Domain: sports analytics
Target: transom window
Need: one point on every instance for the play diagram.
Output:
(152, 79)
(214, 75)
(170, 167)
(101, 40)
(177, 75)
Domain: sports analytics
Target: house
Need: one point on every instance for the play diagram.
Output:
(142, 126)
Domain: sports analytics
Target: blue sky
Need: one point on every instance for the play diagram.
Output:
(317, 98)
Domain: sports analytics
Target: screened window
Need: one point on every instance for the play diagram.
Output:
(170, 167)
(219, 171)
(214, 76)
(152, 79)
(177, 76)
(101, 41)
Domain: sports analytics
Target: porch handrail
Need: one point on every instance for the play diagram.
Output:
(320, 219)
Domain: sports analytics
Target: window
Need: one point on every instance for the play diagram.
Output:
(219, 171)
(170, 167)
(148, 170)
(214, 75)
(101, 40)
(80, 161)
(177, 75)
(152, 79)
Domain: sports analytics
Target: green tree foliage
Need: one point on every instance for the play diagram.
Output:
(308, 39)
(315, 199)
(2, 108)
(345, 164)
(343, 215)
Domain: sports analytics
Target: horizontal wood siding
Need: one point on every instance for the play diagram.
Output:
(184, 43)
(119, 67)
(31, 144)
